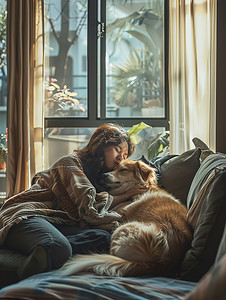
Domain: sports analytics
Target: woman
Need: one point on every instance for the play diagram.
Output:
(55, 217)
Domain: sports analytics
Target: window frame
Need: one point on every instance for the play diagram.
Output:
(92, 119)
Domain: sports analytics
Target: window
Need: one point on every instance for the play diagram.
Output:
(134, 59)
(105, 62)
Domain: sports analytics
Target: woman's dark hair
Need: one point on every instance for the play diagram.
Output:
(105, 135)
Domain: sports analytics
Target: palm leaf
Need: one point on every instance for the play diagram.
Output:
(157, 144)
(133, 132)
(137, 128)
(147, 41)
(122, 22)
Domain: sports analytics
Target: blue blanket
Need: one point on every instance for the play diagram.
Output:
(88, 286)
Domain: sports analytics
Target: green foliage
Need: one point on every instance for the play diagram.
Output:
(142, 68)
(58, 100)
(158, 144)
(137, 73)
(133, 132)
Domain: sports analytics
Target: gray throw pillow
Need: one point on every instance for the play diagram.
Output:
(177, 173)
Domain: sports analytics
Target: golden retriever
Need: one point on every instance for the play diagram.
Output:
(154, 234)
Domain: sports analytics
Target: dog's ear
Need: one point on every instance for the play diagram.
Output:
(147, 173)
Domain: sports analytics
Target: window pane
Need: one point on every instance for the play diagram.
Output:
(66, 58)
(135, 58)
(62, 141)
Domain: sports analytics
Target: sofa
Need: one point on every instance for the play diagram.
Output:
(198, 178)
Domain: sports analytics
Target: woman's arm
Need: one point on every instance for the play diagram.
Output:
(78, 197)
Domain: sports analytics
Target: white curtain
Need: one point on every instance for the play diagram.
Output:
(36, 113)
(192, 73)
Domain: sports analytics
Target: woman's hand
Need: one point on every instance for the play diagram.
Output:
(128, 195)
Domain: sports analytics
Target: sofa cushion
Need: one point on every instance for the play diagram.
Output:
(208, 165)
(222, 247)
(211, 218)
(9, 263)
(177, 173)
(194, 210)
(212, 285)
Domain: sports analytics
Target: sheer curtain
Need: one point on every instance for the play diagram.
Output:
(25, 88)
(192, 73)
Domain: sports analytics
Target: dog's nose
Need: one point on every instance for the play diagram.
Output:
(105, 175)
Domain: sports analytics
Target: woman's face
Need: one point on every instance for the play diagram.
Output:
(113, 155)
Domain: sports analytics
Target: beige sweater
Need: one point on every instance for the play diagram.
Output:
(61, 194)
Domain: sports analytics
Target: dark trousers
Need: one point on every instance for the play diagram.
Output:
(60, 241)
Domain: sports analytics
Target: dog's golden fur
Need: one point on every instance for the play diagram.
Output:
(154, 234)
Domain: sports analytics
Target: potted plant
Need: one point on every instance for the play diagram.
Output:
(3, 151)
(159, 145)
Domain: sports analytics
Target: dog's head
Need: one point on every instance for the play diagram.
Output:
(128, 174)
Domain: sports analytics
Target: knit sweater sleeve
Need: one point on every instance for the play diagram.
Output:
(78, 197)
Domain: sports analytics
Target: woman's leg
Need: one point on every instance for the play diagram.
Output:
(86, 240)
(47, 248)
